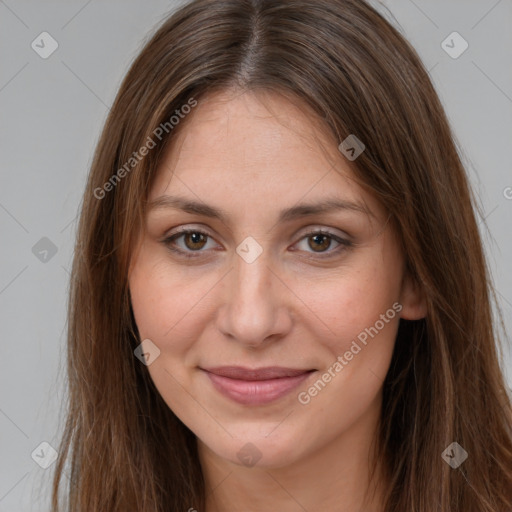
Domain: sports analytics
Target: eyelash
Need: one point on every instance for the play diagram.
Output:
(344, 243)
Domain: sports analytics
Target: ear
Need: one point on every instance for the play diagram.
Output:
(412, 298)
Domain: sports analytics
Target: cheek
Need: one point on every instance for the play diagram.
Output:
(164, 300)
(166, 304)
(351, 303)
(362, 313)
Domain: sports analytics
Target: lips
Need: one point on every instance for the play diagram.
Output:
(240, 373)
(255, 386)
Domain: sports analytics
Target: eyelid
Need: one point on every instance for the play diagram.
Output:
(186, 228)
(320, 228)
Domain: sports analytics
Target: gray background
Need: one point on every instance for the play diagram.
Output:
(52, 112)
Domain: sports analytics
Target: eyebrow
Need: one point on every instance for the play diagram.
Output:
(300, 210)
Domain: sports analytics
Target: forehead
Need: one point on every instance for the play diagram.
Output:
(257, 149)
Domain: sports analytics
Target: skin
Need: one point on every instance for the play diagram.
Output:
(252, 155)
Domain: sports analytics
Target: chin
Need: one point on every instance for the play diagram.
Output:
(252, 449)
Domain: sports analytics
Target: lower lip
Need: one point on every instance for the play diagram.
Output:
(256, 392)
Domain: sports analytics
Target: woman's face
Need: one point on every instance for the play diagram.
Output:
(275, 318)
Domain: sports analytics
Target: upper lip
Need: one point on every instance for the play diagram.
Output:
(264, 373)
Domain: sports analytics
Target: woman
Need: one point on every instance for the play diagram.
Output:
(279, 297)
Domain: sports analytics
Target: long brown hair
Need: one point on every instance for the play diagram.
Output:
(125, 447)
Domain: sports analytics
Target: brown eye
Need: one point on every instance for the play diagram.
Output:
(189, 242)
(323, 244)
(194, 240)
(319, 242)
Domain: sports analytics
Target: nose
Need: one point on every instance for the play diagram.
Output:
(255, 309)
